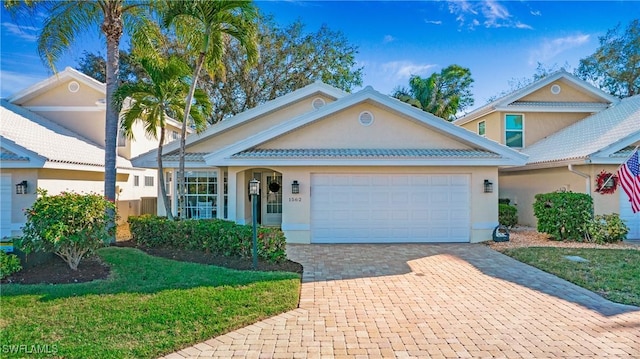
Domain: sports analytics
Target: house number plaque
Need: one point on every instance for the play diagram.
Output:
(295, 199)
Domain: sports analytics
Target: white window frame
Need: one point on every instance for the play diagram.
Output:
(136, 181)
(149, 181)
(522, 130)
(484, 128)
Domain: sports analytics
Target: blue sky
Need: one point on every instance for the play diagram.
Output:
(497, 40)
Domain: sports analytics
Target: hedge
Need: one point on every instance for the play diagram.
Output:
(215, 236)
(507, 215)
(564, 215)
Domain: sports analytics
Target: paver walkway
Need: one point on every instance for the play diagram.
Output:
(431, 301)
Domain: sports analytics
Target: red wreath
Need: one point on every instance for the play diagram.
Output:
(612, 181)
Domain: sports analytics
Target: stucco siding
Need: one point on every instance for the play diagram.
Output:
(257, 125)
(568, 93)
(61, 96)
(343, 130)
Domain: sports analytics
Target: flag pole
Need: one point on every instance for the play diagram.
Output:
(618, 169)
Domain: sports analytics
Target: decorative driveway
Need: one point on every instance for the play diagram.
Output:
(431, 301)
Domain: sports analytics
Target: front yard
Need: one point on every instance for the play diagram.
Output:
(148, 307)
(612, 271)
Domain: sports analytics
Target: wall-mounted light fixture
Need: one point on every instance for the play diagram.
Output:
(295, 187)
(488, 186)
(21, 188)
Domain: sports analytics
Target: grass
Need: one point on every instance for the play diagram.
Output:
(612, 273)
(148, 307)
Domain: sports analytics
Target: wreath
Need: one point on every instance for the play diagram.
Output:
(606, 182)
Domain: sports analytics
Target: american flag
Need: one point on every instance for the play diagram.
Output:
(629, 175)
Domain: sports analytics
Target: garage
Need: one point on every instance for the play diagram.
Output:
(5, 205)
(383, 208)
(632, 220)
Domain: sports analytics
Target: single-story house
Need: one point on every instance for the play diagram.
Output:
(575, 135)
(52, 137)
(336, 167)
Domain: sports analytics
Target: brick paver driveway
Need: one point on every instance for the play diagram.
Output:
(431, 301)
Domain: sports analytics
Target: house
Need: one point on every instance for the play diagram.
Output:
(52, 137)
(575, 135)
(336, 167)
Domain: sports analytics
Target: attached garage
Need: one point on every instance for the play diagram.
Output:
(382, 208)
(5, 205)
(632, 220)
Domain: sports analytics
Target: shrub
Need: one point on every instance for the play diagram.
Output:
(607, 228)
(563, 215)
(9, 264)
(209, 235)
(507, 215)
(71, 225)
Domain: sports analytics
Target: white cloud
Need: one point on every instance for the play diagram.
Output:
(27, 33)
(13, 82)
(387, 39)
(489, 13)
(404, 69)
(386, 77)
(550, 48)
(433, 22)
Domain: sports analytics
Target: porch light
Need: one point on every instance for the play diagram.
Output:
(254, 190)
(488, 186)
(21, 188)
(295, 187)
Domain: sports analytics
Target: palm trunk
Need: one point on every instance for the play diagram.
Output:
(163, 187)
(181, 189)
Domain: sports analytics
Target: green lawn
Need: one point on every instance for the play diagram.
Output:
(612, 273)
(149, 307)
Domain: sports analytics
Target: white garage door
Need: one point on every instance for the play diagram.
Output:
(383, 208)
(5, 205)
(632, 220)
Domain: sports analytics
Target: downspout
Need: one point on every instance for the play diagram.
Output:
(584, 175)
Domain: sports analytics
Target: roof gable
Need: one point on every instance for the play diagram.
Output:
(596, 139)
(369, 96)
(536, 97)
(48, 84)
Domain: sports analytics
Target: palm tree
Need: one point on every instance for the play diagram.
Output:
(64, 22)
(203, 25)
(163, 91)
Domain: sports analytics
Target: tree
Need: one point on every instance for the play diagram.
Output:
(163, 89)
(443, 94)
(615, 66)
(289, 59)
(67, 19)
(203, 26)
(95, 66)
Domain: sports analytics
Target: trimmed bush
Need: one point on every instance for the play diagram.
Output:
(9, 264)
(607, 228)
(71, 225)
(563, 215)
(209, 235)
(507, 215)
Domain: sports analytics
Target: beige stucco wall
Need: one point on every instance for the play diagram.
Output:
(343, 130)
(522, 186)
(257, 125)
(61, 96)
(296, 216)
(568, 93)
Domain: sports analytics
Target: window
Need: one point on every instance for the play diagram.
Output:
(365, 118)
(122, 139)
(514, 131)
(136, 181)
(148, 181)
(202, 194)
(482, 128)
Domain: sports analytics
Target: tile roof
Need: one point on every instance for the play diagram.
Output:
(6, 155)
(590, 135)
(364, 152)
(190, 157)
(49, 140)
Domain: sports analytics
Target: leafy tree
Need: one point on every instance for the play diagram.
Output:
(65, 20)
(615, 66)
(443, 94)
(95, 66)
(162, 89)
(204, 27)
(289, 59)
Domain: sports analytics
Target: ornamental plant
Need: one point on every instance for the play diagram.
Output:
(607, 228)
(71, 225)
(9, 264)
(507, 215)
(563, 215)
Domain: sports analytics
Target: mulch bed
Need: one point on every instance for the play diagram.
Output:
(56, 271)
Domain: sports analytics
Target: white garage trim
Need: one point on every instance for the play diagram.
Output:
(384, 208)
(5, 205)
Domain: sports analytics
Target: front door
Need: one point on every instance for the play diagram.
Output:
(271, 199)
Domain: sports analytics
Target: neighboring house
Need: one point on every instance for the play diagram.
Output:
(571, 132)
(338, 167)
(52, 137)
